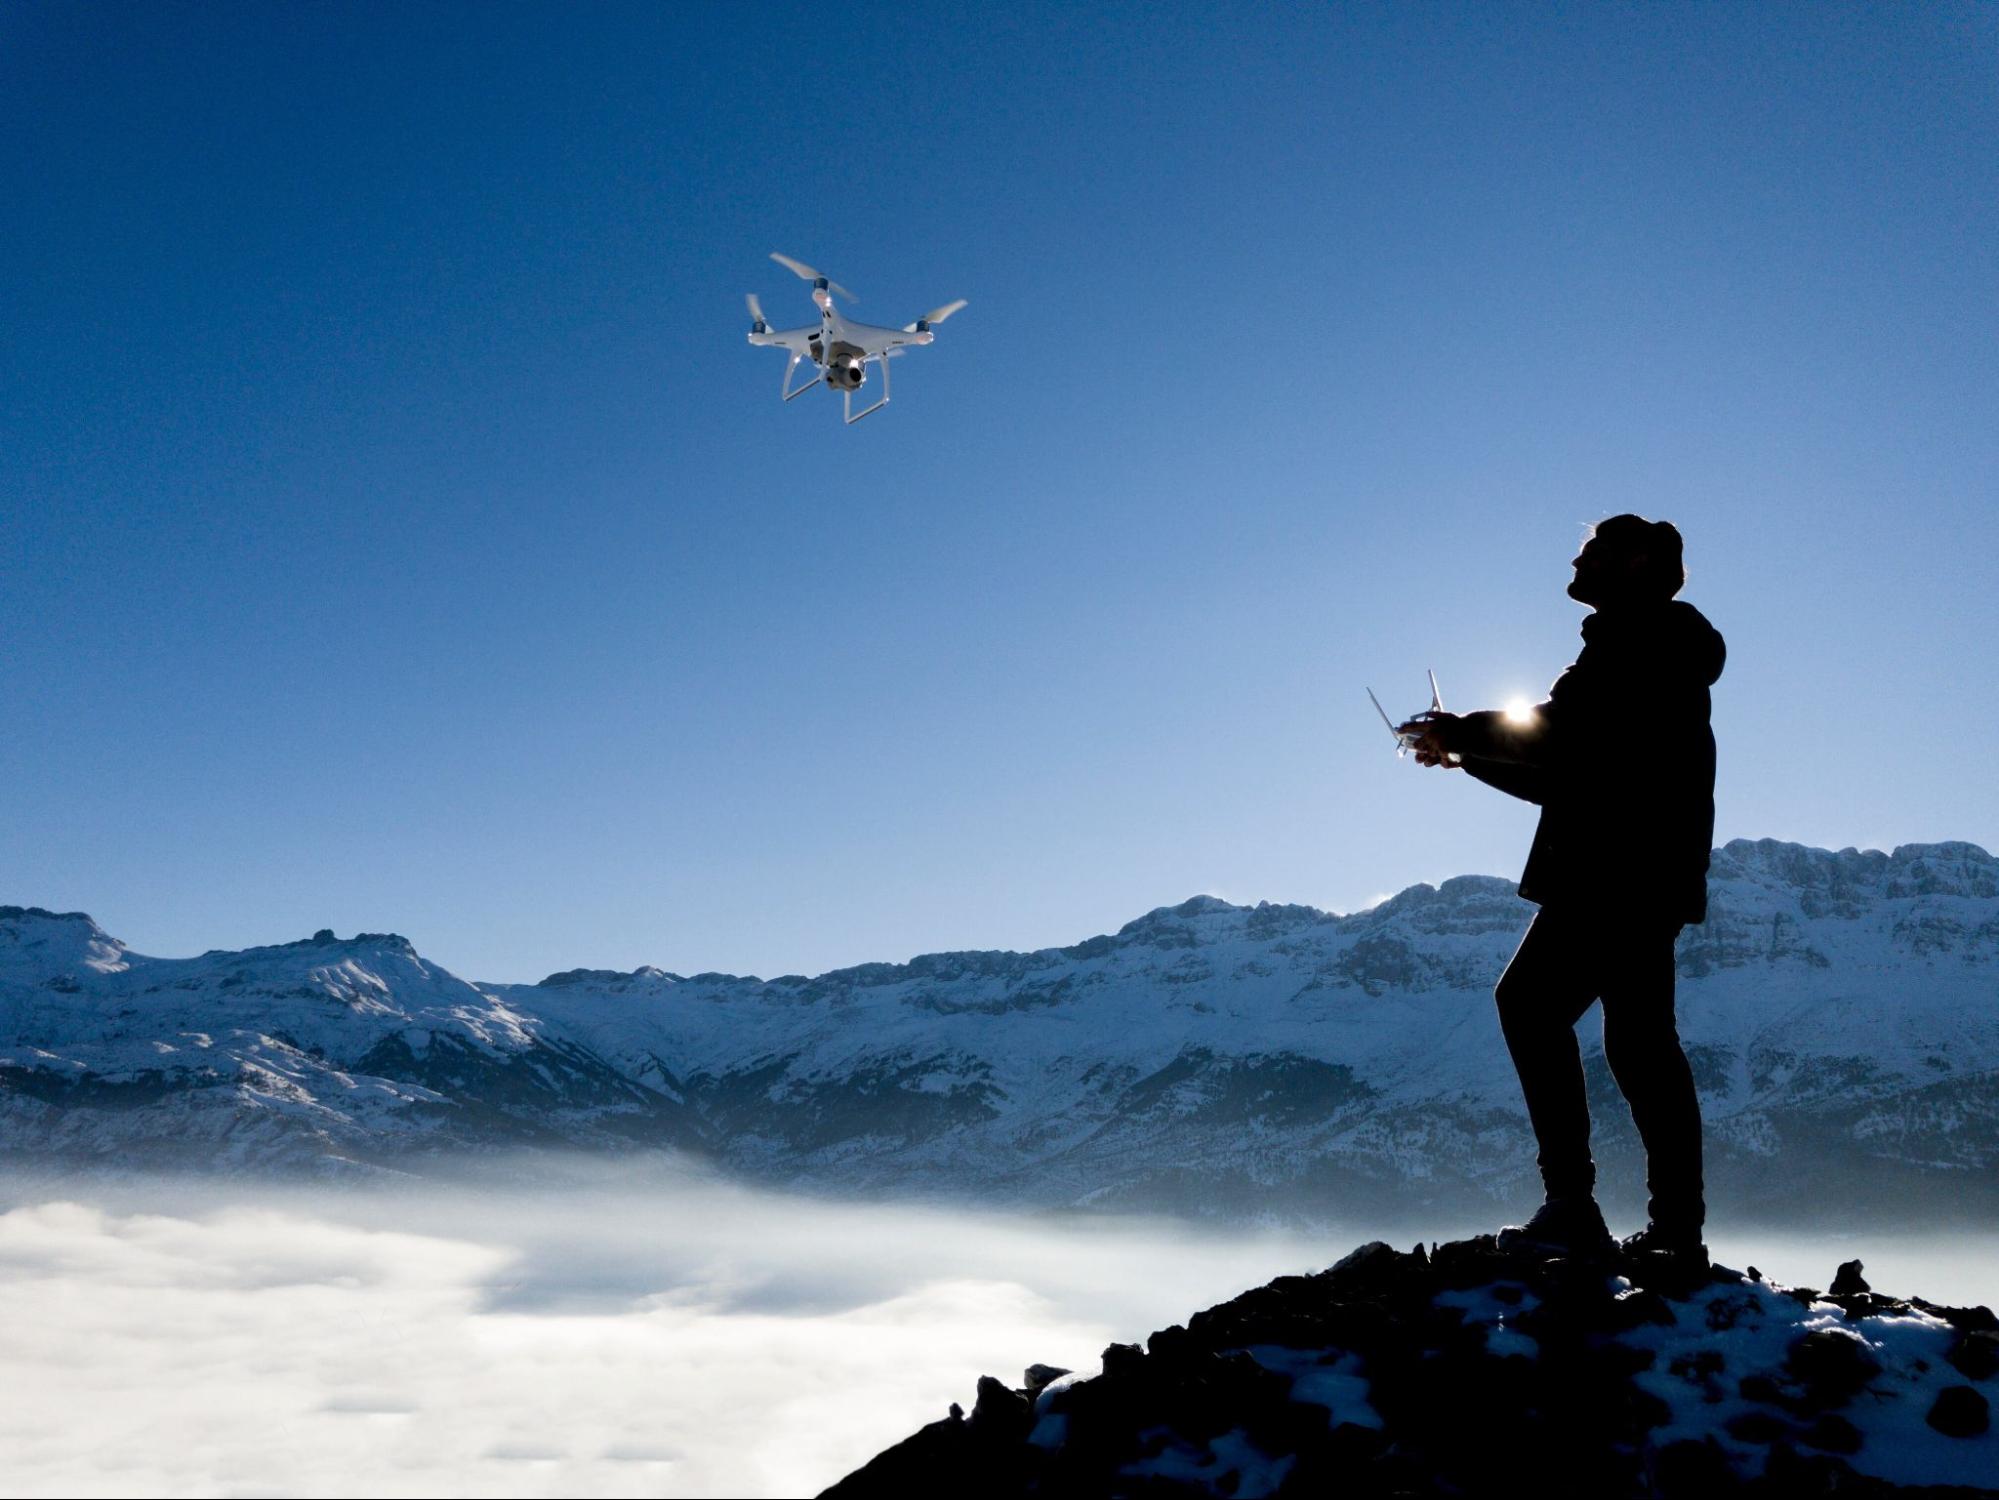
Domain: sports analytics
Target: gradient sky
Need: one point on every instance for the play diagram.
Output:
(399, 533)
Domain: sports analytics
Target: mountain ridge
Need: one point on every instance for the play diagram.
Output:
(1839, 1007)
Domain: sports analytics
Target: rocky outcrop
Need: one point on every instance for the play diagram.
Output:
(1461, 1369)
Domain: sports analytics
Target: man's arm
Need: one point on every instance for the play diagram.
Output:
(1522, 740)
(1509, 752)
(1527, 739)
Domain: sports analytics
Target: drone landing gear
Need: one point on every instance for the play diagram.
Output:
(855, 416)
(788, 392)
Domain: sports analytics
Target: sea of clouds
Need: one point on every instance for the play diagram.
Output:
(603, 1334)
(672, 1337)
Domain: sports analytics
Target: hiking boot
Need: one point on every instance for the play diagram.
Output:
(1678, 1242)
(1561, 1226)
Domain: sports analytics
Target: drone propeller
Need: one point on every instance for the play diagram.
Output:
(804, 272)
(756, 312)
(935, 315)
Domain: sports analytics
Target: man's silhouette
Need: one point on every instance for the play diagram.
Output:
(1621, 760)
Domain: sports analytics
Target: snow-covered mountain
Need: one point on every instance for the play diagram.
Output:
(1841, 1011)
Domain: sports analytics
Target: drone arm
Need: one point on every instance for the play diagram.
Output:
(855, 416)
(876, 341)
(787, 392)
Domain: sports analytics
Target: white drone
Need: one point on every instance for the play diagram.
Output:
(839, 350)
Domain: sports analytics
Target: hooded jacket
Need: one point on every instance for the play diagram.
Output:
(1621, 760)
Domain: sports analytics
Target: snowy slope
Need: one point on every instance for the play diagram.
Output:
(319, 1050)
(1842, 1012)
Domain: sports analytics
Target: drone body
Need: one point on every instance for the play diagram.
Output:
(839, 348)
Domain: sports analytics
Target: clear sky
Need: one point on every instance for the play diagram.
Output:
(400, 534)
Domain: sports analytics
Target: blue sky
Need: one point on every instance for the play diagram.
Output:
(401, 535)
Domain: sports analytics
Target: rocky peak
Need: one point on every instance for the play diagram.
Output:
(608, 979)
(1174, 919)
(1466, 904)
(43, 914)
(1204, 919)
(1950, 869)
(1468, 1369)
(393, 943)
(38, 946)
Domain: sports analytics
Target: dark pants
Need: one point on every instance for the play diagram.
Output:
(1567, 961)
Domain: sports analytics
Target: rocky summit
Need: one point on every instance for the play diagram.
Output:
(1463, 1369)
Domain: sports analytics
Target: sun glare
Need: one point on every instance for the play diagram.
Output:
(1519, 711)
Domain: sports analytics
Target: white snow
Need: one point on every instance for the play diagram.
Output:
(1486, 1307)
(1753, 1327)
(1331, 1379)
(1230, 1456)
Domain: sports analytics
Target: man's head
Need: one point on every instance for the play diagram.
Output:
(1628, 560)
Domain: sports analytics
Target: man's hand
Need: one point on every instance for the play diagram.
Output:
(1433, 734)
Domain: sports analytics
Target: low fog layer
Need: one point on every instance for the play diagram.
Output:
(676, 1338)
(670, 1336)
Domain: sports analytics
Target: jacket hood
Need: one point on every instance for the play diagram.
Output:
(1675, 629)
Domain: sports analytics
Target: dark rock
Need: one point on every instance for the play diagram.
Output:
(1960, 1412)
(1302, 1312)
(1371, 1264)
(1848, 1279)
(982, 1469)
(1725, 1312)
(1858, 1305)
(1761, 1388)
(1702, 1368)
(957, 1412)
(1833, 1366)
(1644, 1410)
(1795, 1475)
(1975, 1356)
(1674, 1275)
(1695, 1469)
(1001, 1411)
(1964, 1319)
(1758, 1427)
(324, 935)
(1350, 1447)
(1038, 1376)
(1831, 1433)
(1471, 1262)
(1123, 1360)
(1637, 1308)
(1619, 1361)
